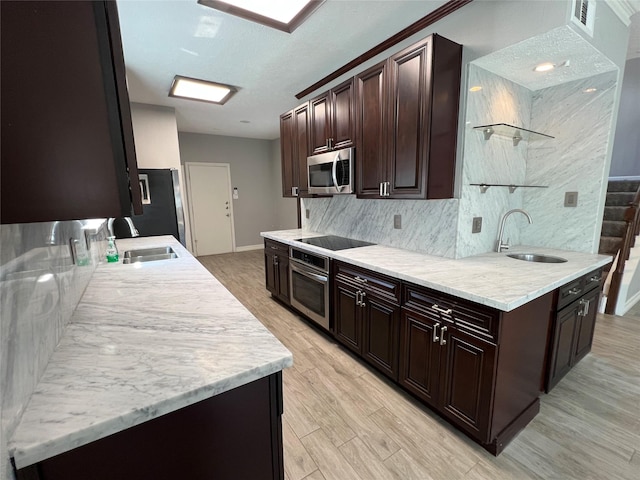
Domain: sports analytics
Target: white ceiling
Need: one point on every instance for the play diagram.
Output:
(169, 37)
(165, 38)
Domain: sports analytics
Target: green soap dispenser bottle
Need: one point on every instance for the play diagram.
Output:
(112, 250)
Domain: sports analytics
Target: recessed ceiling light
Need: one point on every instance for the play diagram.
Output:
(475, 88)
(201, 90)
(285, 15)
(544, 67)
(590, 90)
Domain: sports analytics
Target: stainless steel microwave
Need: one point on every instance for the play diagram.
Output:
(331, 172)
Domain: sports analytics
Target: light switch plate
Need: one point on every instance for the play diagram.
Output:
(306, 213)
(571, 199)
(397, 221)
(477, 225)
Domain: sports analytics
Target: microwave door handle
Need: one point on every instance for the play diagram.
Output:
(334, 173)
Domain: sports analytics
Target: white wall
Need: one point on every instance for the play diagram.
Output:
(155, 133)
(252, 172)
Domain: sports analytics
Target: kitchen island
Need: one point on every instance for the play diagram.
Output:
(475, 339)
(157, 357)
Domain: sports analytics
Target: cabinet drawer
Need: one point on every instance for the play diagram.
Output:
(578, 287)
(367, 280)
(476, 319)
(276, 247)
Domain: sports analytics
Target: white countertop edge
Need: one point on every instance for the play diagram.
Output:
(30, 455)
(289, 236)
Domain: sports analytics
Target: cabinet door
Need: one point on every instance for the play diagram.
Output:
(320, 123)
(371, 144)
(271, 272)
(586, 322)
(282, 265)
(381, 323)
(67, 139)
(409, 121)
(301, 151)
(419, 355)
(562, 345)
(466, 381)
(287, 153)
(342, 115)
(348, 324)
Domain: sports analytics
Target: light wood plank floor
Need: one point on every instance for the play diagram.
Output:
(342, 420)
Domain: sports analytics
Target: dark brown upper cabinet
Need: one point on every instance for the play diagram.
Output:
(294, 146)
(332, 123)
(67, 138)
(414, 98)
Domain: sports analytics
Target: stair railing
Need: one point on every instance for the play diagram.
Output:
(632, 218)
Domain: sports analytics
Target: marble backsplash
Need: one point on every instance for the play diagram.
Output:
(40, 287)
(574, 161)
(427, 226)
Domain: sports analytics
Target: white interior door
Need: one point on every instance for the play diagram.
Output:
(210, 207)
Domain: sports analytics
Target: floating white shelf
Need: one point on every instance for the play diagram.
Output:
(512, 188)
(511, 131)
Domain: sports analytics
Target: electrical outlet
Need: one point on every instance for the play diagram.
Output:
(571, 199)
(397, 221)
(306, 213)
(476, 227)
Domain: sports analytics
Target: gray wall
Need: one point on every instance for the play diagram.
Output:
(625, 159)
(252, 173)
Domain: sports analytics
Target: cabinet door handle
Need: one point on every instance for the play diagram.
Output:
(574, 291)
(442, 340)
(435, 337)
(441, 310)
(362, 295)
(386, 189)
(382, 189)
(294, 191)
(358, 298)
(585, 307)
(275, 260)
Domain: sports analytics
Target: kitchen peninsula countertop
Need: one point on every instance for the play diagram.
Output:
(146, 339)
(490, 279)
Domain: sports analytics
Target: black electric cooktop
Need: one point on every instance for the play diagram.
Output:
(333, 242)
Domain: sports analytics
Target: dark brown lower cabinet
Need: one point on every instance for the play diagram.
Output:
(480, 368)
(367, 316)
(276, 269)
(237, 434)
(449, 369)
(572, 335)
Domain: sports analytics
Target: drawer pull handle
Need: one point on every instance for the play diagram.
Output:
(363, 280)
(435, 337)
(574, 291)
(442, 340)
(595, 278)
(441, 310)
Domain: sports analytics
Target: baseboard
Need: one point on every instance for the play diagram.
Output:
(246, 248)
(630, 178)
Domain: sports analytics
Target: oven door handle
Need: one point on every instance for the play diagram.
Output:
(307, 273)
(334, 173)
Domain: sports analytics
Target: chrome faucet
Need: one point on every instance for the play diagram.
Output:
(500, 246)
(132, 229)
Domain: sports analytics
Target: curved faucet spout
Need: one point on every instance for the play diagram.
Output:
(500, 245)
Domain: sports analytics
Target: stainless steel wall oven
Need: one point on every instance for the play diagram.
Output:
(309, 278)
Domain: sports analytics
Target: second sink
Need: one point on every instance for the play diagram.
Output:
(148, 254)
(534, 257)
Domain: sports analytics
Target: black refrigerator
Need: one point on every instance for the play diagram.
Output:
(163, 212)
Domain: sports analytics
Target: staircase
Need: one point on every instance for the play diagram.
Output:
(620, 195)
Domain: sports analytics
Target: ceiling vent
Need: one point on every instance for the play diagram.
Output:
(584, 14)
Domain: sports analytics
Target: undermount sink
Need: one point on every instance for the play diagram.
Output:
(148, 255)
(535, 257)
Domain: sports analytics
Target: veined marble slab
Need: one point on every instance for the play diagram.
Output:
(146, 339)
(490, 279)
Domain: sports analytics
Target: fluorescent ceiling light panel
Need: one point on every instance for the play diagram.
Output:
(202, 90)
(285, 15)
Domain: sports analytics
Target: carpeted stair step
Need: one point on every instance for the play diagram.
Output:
(623, 186)
(615, 199)
(613, 228)
(609, 245)
(614, 213)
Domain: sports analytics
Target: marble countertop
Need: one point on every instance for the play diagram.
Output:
(145, 340)
(491, 279)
